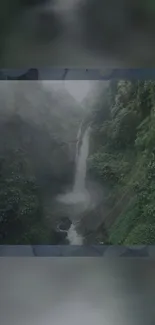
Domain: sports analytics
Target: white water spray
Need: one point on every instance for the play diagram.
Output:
(73, 237)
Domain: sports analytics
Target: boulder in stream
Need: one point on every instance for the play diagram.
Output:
(64, 224)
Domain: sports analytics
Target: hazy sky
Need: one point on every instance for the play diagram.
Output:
(78, 89)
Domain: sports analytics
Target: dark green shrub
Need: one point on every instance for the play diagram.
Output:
(142, 234)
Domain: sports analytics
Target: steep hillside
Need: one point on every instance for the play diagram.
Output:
(123, 158)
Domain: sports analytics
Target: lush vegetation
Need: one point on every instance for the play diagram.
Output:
(124, 157)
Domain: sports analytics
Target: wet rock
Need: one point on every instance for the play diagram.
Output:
(98, 236)
(93, 228)
(58, 238)
(65, 224)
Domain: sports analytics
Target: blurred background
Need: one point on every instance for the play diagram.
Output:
(90, 291)
(77, 33)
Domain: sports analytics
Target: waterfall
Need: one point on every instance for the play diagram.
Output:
(78, 198)
(81, 163)
(78, 142)
(79, 193)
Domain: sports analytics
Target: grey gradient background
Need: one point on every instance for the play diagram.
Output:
(93, 291)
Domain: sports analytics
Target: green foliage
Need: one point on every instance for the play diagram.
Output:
(142, 234)
(126, 157)
(146, 135)
(19, 198)
(124, 224)
(22, 220)
(124, 128)
(107, 167)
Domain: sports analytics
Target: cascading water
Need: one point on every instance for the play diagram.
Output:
(81, 164)
(79, 193)
(77, 143)
(79, 197)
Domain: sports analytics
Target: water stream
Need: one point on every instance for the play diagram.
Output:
(81, 164)
(79, 196)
